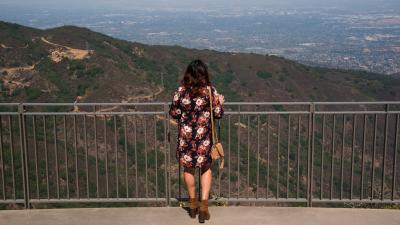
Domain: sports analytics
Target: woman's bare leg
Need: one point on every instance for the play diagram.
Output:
(205, 184)
(188, 176)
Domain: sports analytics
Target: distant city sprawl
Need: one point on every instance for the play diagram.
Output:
(345, 38)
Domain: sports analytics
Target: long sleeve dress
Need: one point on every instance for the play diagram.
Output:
(193, 115)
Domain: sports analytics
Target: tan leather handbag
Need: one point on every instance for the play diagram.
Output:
(217, 151)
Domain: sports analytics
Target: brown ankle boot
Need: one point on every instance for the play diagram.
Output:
(193, 207)
(204, 214)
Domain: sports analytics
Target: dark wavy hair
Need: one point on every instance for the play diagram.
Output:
(196, 76)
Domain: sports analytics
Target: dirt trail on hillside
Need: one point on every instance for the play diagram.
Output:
(4, 46)
(11, 76)
(14, 70)
(62, 51)
(127, 100)
(12, 80)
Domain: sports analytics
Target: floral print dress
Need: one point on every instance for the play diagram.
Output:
(194, 126)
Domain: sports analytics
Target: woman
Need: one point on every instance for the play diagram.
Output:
(191, 107)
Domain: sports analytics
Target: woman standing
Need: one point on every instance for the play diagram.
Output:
(191, 107)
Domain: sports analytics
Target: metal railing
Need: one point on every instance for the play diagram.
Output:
(299, 152)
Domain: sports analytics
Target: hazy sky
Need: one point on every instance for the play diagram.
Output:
(200, 3)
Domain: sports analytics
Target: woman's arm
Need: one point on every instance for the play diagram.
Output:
(175, 110)
(218, 111)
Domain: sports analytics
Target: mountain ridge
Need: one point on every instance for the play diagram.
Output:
(97, 77)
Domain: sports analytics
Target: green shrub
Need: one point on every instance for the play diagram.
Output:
(224, 78)
(81, 90)
(45, 65)
(146, 64)
(214, 66)
(32, 93)
(264, 74)
(222, 81)
(93, 72)
(123, 65)
(76, 65)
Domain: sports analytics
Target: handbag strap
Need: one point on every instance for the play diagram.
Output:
(221, 166)
(212, 117)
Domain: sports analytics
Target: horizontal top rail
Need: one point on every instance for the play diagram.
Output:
(93, 104)
(265, 112)
(9, 104)
(93, 113)
(267, 103)
(359, 103)
(388, 107)
(226, 103)
(357, 112)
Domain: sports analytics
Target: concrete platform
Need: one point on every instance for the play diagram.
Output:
(219, 215)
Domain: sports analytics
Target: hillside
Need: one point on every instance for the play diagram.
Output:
(60, 64)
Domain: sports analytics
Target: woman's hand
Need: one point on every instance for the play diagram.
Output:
(221, 99)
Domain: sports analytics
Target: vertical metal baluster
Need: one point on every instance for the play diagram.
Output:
(76, 159)
(332, 154)
(12, 153)
(395, 156)
(267, 183)
(229, 155)
(288, 160)
(258, 154)
(145, 157)
(384, 152)
(24, 156)
(46, 156)
(310, 115)
(155, 151)
(322, 157)
(136, 162)
(238, 155)
(86, 156)
(106, 150)
(248, 156)
(2, 159)
(56, 154)
(352, 156)
(169, 156)
(126, 159)
(179, 182)
(373, 157)
(116, 154)
(362, 157)
(298, 155)
(36, 156)
(165, 154)
(278, 156)
(312, 154)
(341, 157)
(97, 151)
(66, 154)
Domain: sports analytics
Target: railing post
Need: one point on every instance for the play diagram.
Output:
(24, 164)
(310, 154)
